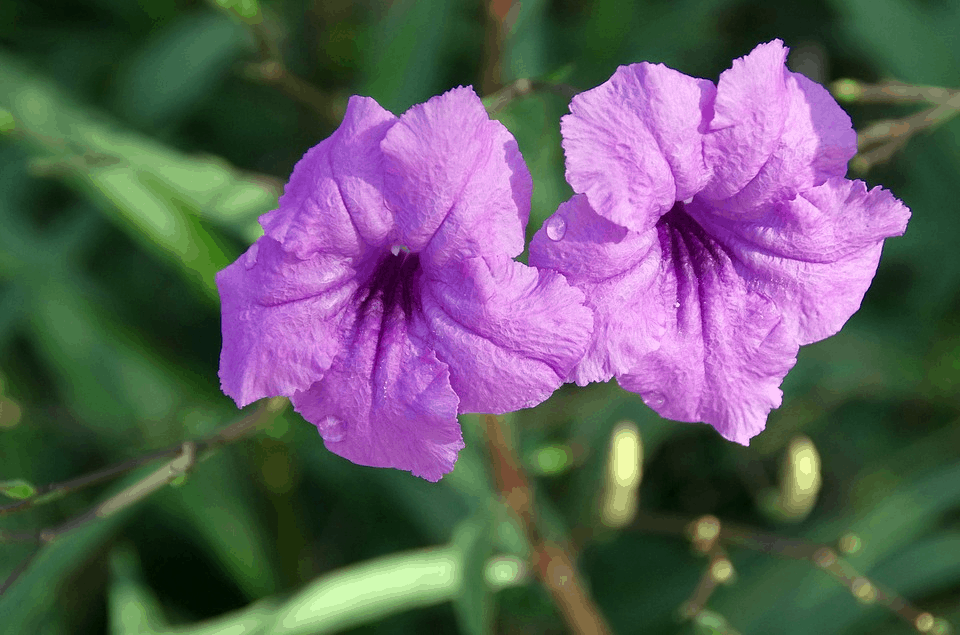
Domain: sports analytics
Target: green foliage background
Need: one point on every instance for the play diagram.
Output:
(140, 155)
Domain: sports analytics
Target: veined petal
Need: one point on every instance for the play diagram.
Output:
(510, 333)
(634, 144)
(456, 180)
(281, 320)
(387, 402)
(616, 269)
(816, 253)
(333, 203)
(726, 348)
(750, 111)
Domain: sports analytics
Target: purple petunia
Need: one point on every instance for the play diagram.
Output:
(383, 298)
(713, 233)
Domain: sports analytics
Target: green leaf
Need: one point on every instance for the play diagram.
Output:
(475, 605)
(7, 122)
(133, 609)
(155, 193)
(406, 52)
(246, 10)
(217, 505)
(372, 590)
(33, 602)
(175, 69)
(17, 489)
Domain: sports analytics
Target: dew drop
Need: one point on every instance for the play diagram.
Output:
(654, 400)
(556, 227)
(332, 429)
(250, 258)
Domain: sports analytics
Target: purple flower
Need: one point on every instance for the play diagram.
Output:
(713, 233)
(384, 298)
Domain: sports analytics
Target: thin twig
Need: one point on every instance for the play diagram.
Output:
(890, 92)
(822, 556)
(524, 88)
(272, 70)
(550, 560)
(225, 435)
(879, 141)
(188, 453)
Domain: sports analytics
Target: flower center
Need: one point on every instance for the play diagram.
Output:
(394, 283)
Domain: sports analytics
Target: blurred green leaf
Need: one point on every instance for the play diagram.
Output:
(17, 489)
(475, 605)
(178, 65)
(34, 601)
(405, 51)
(110, 382)
(247, 10)
(218, 508)
(913, 41)
(929, 565)
(154, 192)
(7, 122)
(132, 607)
(370, 590)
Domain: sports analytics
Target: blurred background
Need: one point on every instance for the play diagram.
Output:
(141, 140)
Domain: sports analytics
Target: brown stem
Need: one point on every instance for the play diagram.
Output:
(550, 560)
(498, 12)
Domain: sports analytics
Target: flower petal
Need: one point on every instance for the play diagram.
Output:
(510, 333)
(725, 350)
(387, 402)
(815, 254)
(634, 145)
(750, 111)
(456, 180)
(334, 203)
(615, 268)
(817, 142)
(281, 319)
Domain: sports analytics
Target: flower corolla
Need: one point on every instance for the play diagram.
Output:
(383, 298)
(713, 232)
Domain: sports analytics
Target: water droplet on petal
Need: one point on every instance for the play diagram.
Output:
(250, 258)
(332, 429)
(556, 227)
(654, 400)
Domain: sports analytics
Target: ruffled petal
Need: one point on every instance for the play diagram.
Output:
(633, 144)
(726, 348)
(281, 320)
(615, 268)
(456, 180)
(750, 111)
(815, 254)
(817, 142)
(333, 203)
(510, 333)
(387, 402)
